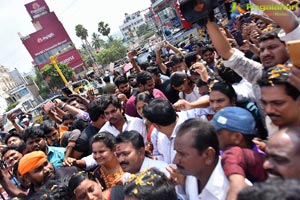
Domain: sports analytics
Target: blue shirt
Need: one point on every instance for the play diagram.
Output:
(56, 155)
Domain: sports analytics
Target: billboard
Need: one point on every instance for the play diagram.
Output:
(71, 58)
(49, 37)
(37, 8)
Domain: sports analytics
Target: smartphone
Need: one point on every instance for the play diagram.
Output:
(17, 112)
(66, 91)
(48, 106)
(293, 48)
(238, 37)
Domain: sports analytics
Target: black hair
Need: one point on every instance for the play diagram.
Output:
(153, 70)
(120, 80)
(130, 76)
(144, 96)
(269, 79)
(160, 111)
(106, 79)
(144, 65)
(177, 59)
(155, 185)
(190, 58)
(226, 89)
(106, 138)
(79, 124)
(8, 148)
(200, 83)
(228, 75)
(94, 109)
(270, 35)
(33, 132)
(143, 77)
(48, 125)
(134, 137)
(200, 44)
(76, 179)
(204, 134)
(108, 99)
(52, 190)
(272, 189)
(12, 134)
(68, 116)
(177, 78)
(169, 64)
(207, 48)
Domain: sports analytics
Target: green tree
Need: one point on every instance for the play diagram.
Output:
(51, 75)
(42, 84)
(103, 28)
(97, 42)
(81, 32)
(115, 50)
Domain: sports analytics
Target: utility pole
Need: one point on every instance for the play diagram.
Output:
(53, 61)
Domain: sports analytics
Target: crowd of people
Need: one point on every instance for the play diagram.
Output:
(212, 121)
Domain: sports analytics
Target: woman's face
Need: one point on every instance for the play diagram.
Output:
(87, 190)
(218, 100)
(101, 153)
(139, 107)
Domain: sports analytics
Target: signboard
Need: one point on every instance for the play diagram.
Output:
(51, 36)
(71, 58)
(37, 8)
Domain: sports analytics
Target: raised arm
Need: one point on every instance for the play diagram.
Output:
(159, 62)
(281, 16)
(219, 41)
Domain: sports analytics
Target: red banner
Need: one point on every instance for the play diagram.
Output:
(37, 8)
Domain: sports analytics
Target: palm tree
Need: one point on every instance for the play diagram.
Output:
(82, 33)
(97, 42)
(103, 29)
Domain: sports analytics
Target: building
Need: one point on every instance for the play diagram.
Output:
(50, 38)
(131, 24)
(167, 13)
(16, 88)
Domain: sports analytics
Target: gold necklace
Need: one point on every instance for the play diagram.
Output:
(109, 179)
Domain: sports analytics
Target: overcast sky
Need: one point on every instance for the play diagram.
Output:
(14, 18)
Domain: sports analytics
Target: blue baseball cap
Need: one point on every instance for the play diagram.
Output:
(234, 119)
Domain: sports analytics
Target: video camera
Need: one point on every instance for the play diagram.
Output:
(197, 11)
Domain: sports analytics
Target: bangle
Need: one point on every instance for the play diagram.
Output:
(63, 106)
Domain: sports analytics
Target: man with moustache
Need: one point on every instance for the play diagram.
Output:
(272, 48)
(197, 154)
(281, 100)
(130, 151)
(283, 153)
(124, 87)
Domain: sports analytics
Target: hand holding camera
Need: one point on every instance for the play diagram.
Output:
(48, 107)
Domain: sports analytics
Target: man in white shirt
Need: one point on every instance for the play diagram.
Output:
(197, 154)
(116, 121)
(130, 150)
(163, 116)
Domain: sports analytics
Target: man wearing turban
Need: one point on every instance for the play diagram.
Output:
(35, 168)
